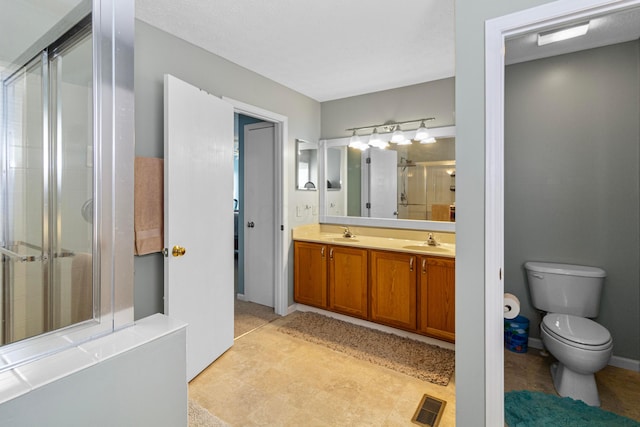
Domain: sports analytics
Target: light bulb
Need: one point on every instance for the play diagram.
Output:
(398, 135)
(429, 140)
(422, 132)
(376, 141)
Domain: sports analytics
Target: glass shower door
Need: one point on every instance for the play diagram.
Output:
(46, 205)
(24, 264)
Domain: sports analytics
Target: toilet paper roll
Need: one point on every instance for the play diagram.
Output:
(511, 306)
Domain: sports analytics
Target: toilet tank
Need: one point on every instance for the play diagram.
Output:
(565, 288)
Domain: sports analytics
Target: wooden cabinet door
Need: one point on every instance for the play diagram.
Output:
(348, 272)
(310, 274)
(393, 289)
(438, 297)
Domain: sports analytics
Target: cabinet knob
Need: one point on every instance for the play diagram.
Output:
(424, 265)
(411, 263)
(322, 252)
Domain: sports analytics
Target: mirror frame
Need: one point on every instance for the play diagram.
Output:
(313, 146)
(408, 224)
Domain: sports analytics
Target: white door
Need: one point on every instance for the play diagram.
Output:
(259, 218)
(382, 183)
(198, 206)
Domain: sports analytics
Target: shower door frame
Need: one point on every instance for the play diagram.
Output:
(113, 158)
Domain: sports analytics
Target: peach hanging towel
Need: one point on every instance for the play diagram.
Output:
(149, 205)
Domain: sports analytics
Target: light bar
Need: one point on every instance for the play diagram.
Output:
(563, 33)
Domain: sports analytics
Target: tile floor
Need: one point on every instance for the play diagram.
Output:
(619, 388)
(269, 378)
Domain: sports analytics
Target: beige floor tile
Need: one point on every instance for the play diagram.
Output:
(271, 378)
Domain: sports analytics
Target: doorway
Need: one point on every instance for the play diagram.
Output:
(497, 31)
(281, 240)
(255, 224)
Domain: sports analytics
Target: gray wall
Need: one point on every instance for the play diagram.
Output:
(572, 176)
(431, 99)
(470, 193)
(158, 53)
(145, 386)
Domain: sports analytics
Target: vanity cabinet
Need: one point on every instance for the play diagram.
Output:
(437, 297)
(393, 289)
(348, 273)
(310, 274)
(403, 290)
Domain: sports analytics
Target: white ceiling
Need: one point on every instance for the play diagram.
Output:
(325, 49)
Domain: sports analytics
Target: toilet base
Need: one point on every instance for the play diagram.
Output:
(572, 384)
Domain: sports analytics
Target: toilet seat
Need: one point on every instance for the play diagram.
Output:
(577, 331)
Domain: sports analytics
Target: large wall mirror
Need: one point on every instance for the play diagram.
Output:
(60, 65)
(410, 185)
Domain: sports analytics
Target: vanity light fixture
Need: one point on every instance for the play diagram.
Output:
(398, 137)
(564, 33)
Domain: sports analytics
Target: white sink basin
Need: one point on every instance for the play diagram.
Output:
(344, 239)
(448, 249)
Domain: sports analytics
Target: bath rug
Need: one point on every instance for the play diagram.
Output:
(417, 359)
(535, 409)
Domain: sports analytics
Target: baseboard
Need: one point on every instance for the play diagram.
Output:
(241, 297)
(376, 326)
(293, 307)
(617, 361)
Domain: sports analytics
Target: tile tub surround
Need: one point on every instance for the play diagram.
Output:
(38, 373)
(388, 239)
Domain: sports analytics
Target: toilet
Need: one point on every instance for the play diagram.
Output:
(570, 295)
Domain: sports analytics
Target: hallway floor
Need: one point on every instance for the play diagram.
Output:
(269, 378)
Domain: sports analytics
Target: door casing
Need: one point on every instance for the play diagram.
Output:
(497, 30)
(282, 238)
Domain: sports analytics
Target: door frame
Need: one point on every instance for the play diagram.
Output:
(497, 30)
(281, 175)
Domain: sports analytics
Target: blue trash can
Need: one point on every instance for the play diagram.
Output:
(516, 334)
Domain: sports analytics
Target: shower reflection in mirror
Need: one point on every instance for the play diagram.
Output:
(46, 189)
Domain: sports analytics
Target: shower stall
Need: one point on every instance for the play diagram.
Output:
(426, 190)
(46, 188)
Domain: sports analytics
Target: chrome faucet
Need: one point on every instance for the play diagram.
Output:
(431, 241)
(347, 233)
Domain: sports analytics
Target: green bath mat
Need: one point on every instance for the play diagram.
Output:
(535, 409)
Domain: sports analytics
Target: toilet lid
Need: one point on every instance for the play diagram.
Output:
(576, 329)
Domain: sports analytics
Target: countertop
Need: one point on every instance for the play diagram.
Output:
(407, 241)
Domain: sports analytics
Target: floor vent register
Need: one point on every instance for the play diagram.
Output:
(429, 411)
